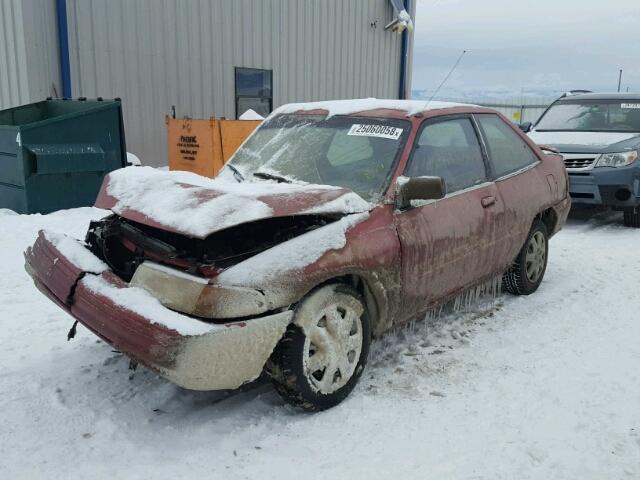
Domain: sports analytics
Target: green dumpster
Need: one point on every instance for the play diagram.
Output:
(55, 153)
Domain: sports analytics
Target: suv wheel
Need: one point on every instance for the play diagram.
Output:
(632, 217)
(324, 351)
(527, 271)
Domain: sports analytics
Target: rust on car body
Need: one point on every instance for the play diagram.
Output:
(402, 261)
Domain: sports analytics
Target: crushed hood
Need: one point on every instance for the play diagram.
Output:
(196, 206)
(587, 142)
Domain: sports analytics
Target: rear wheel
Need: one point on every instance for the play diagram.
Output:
(324, 351)
(527, 271)
(632, 217)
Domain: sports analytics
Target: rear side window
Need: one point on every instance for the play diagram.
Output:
(449, 149)
(507, 151)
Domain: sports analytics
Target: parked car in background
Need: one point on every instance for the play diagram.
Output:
(333, 223)
(599, 138)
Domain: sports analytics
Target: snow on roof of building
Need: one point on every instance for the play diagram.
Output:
(347, 107)
(250, 115)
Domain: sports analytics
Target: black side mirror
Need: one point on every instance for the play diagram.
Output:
(418, 188)
(525, 127)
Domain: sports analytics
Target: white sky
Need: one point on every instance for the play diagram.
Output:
(535, 45)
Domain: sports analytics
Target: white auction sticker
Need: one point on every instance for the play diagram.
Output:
(383, 131)
(630, 105)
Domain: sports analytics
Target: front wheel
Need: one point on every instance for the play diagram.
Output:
(527, 271)
(324, 351)
(632, 217)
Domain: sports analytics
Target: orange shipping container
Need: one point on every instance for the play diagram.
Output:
(204, 146)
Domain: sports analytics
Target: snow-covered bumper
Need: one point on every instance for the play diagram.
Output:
(192, 353)
(616, 187)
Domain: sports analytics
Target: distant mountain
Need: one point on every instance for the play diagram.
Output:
(479, 93)
(499, 93)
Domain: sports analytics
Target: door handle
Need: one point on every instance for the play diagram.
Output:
(488, 201)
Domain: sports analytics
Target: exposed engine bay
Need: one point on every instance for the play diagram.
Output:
(124, 244)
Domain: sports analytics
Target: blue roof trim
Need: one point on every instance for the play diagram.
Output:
(63, 45)
(404, 52)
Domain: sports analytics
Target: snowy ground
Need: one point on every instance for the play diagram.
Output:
(542, 387)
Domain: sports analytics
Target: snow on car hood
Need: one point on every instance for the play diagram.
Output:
(292, 255)
(197, 206)
(592, 139)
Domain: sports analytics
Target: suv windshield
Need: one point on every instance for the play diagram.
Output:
(357, 153)
(592, 116)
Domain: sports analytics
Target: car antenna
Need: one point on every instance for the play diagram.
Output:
(455, 65)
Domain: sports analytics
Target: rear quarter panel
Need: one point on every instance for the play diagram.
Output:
(525, 195)
(532, 191)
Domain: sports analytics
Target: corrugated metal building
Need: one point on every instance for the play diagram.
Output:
(205, 57)
(29, 58)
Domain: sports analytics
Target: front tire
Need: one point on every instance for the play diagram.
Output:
(632, 217)
(324, 351)
(527, 271)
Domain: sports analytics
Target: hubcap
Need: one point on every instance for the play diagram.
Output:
(536, 257)
(332, 348)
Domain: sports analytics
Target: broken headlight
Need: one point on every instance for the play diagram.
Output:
(194, 295)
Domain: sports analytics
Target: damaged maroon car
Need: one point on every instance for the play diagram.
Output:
(333, 223)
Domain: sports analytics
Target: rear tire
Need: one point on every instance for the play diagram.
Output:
(322, 354)
(527, 271)
(632, 217)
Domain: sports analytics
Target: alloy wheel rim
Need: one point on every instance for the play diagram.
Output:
(332, 348)
(536, 257)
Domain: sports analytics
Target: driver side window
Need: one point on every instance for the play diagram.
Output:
(449, 149)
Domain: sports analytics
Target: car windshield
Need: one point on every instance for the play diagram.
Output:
(592, 116)
(357, 153)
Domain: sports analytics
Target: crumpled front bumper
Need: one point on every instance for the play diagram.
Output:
(190, 352)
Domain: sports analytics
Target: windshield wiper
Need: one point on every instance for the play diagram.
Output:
(236, 173)
(272, 176)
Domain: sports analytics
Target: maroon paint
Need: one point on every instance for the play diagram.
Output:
(150, 343)
(55, 276)
(408, 260)
(282, 205)
(53, 270)
(441, 251)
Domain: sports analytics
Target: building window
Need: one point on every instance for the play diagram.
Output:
(253, 91)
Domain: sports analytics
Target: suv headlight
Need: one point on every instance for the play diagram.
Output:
(621, 159)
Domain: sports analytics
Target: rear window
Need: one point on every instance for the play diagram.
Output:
(507, 151)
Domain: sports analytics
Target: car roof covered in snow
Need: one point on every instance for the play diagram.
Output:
(349, 107)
